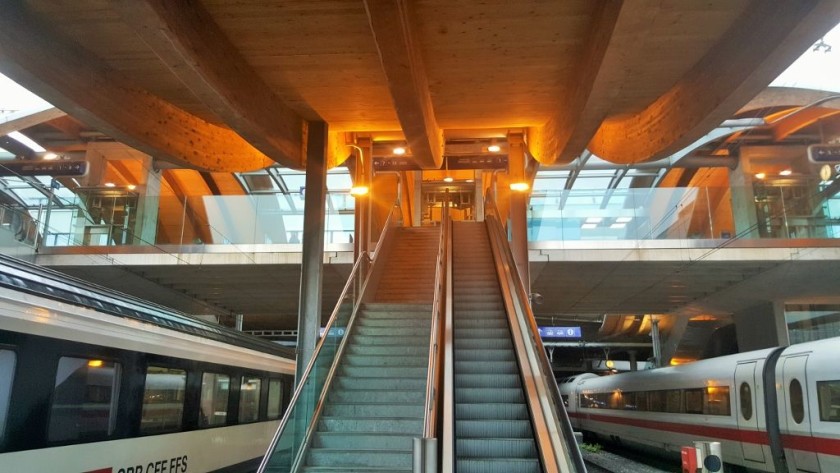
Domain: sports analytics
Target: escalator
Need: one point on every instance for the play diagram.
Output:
(492, 423)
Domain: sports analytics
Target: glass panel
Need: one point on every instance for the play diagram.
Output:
(746, 401)
(7, 374)
(299, 414)
(85, 399)
(249, 399)
(828, 394)
(215, 389)
(797, 404)
(673, 401)
(275, 398)
(716, 401)
(163, 400)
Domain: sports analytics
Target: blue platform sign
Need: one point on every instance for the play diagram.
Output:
(560, 332)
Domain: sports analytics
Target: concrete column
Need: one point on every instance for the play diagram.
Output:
(479, 195)
(761, 326)
(519, 209)
(149, 205)
(312, 263)
(418, 199)
(743, 200)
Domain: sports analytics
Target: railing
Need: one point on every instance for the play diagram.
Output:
(425, 459)
(553, 431)
(760, 211)
(289, 444)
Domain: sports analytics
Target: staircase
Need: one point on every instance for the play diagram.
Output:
(374, 407)
(492, 424)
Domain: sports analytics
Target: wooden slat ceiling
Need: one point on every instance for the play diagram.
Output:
(631, 80)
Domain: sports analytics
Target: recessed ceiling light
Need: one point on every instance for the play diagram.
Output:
(448, 179)
(110, 184)
(760, 175)
(786, 172)
(131, 187)
(519, 186)
(50, 156)
(494, 148)
(399, 151)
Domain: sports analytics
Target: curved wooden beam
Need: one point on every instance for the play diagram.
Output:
(767, 38)
(82, 85)
(788, 123)
(196, 50)
(403, 66)
(577, 118)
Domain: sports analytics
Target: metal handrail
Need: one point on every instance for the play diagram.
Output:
(299, 388)
(438, 312)
(522, 310)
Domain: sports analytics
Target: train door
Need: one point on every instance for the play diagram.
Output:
(795, 416)
(747, 409)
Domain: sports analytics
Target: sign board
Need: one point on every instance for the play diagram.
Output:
(560, 332)
(494, 161)
(44, 168)
(824, 153)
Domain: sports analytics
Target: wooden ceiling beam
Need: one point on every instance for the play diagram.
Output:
(22, 122)
(76, 81)
(195, 49)
(390, 22)
(761, 43)
(580, 111)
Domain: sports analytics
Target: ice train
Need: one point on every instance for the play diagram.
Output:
(94, 381)
(772, 410)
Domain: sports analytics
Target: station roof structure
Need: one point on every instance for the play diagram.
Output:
(231, 86)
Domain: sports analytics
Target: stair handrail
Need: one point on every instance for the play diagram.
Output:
(519, 301)
(364, 256)
(434, 372)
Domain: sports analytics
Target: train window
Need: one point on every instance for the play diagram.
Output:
(214, 399)
(249, 399)
(656, 401)
(84, 400)
(716, 401)
(641, 401)
(163, 400)
(7, 373)
(673, 399)
(746, 401)
(797, 404)
(828, 395)
(275, 398)
(694, 401)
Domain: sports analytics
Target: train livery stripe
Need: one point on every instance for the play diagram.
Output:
(723, 433)
(811, 444)
(797, 442)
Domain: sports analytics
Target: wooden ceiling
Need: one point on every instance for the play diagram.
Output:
(231, 86)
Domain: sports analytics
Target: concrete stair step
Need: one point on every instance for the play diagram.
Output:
(354, 410)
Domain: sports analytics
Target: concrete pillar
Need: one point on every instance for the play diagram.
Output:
(148, 205)
(417, 208)
(761, 326)
(479, 196)
(519, 208)
(743, 200)
(312, 264)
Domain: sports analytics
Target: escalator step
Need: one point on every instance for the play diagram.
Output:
(486, 381)
(495, 448)
(493, 429)
(490, 411)
(498, 466)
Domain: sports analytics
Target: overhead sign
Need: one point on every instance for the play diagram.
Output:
(560, 332)
(493, 161)
(395, 164)
(44, 168)
(824, 153)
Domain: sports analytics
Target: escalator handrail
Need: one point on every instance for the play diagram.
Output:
(434, 372)
(302, 383)
(524, 313)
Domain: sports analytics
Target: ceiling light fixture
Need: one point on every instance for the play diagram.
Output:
(760, 175)
(110, 184)
(50, 156)
(786, 172)
(358, 191)
(131, 187)
(399, 151)
(519, 186)
(26, 141)
(494, 148)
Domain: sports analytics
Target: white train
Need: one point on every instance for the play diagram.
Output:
(772, 410)
(94, 381)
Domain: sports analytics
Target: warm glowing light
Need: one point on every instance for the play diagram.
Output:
(494, 148)
(680, 361)
(131, 187)
(470, 180)
(50, 156)
(786, 172)
(94, 363)
(399, 151)
(359, 190)
(610, 364)
(110, 184)
(760, 175)
(448, 179)
(519, 186)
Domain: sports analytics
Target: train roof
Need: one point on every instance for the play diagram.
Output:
(37, 280)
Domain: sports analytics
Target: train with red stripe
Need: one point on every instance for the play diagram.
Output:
(772, 410)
